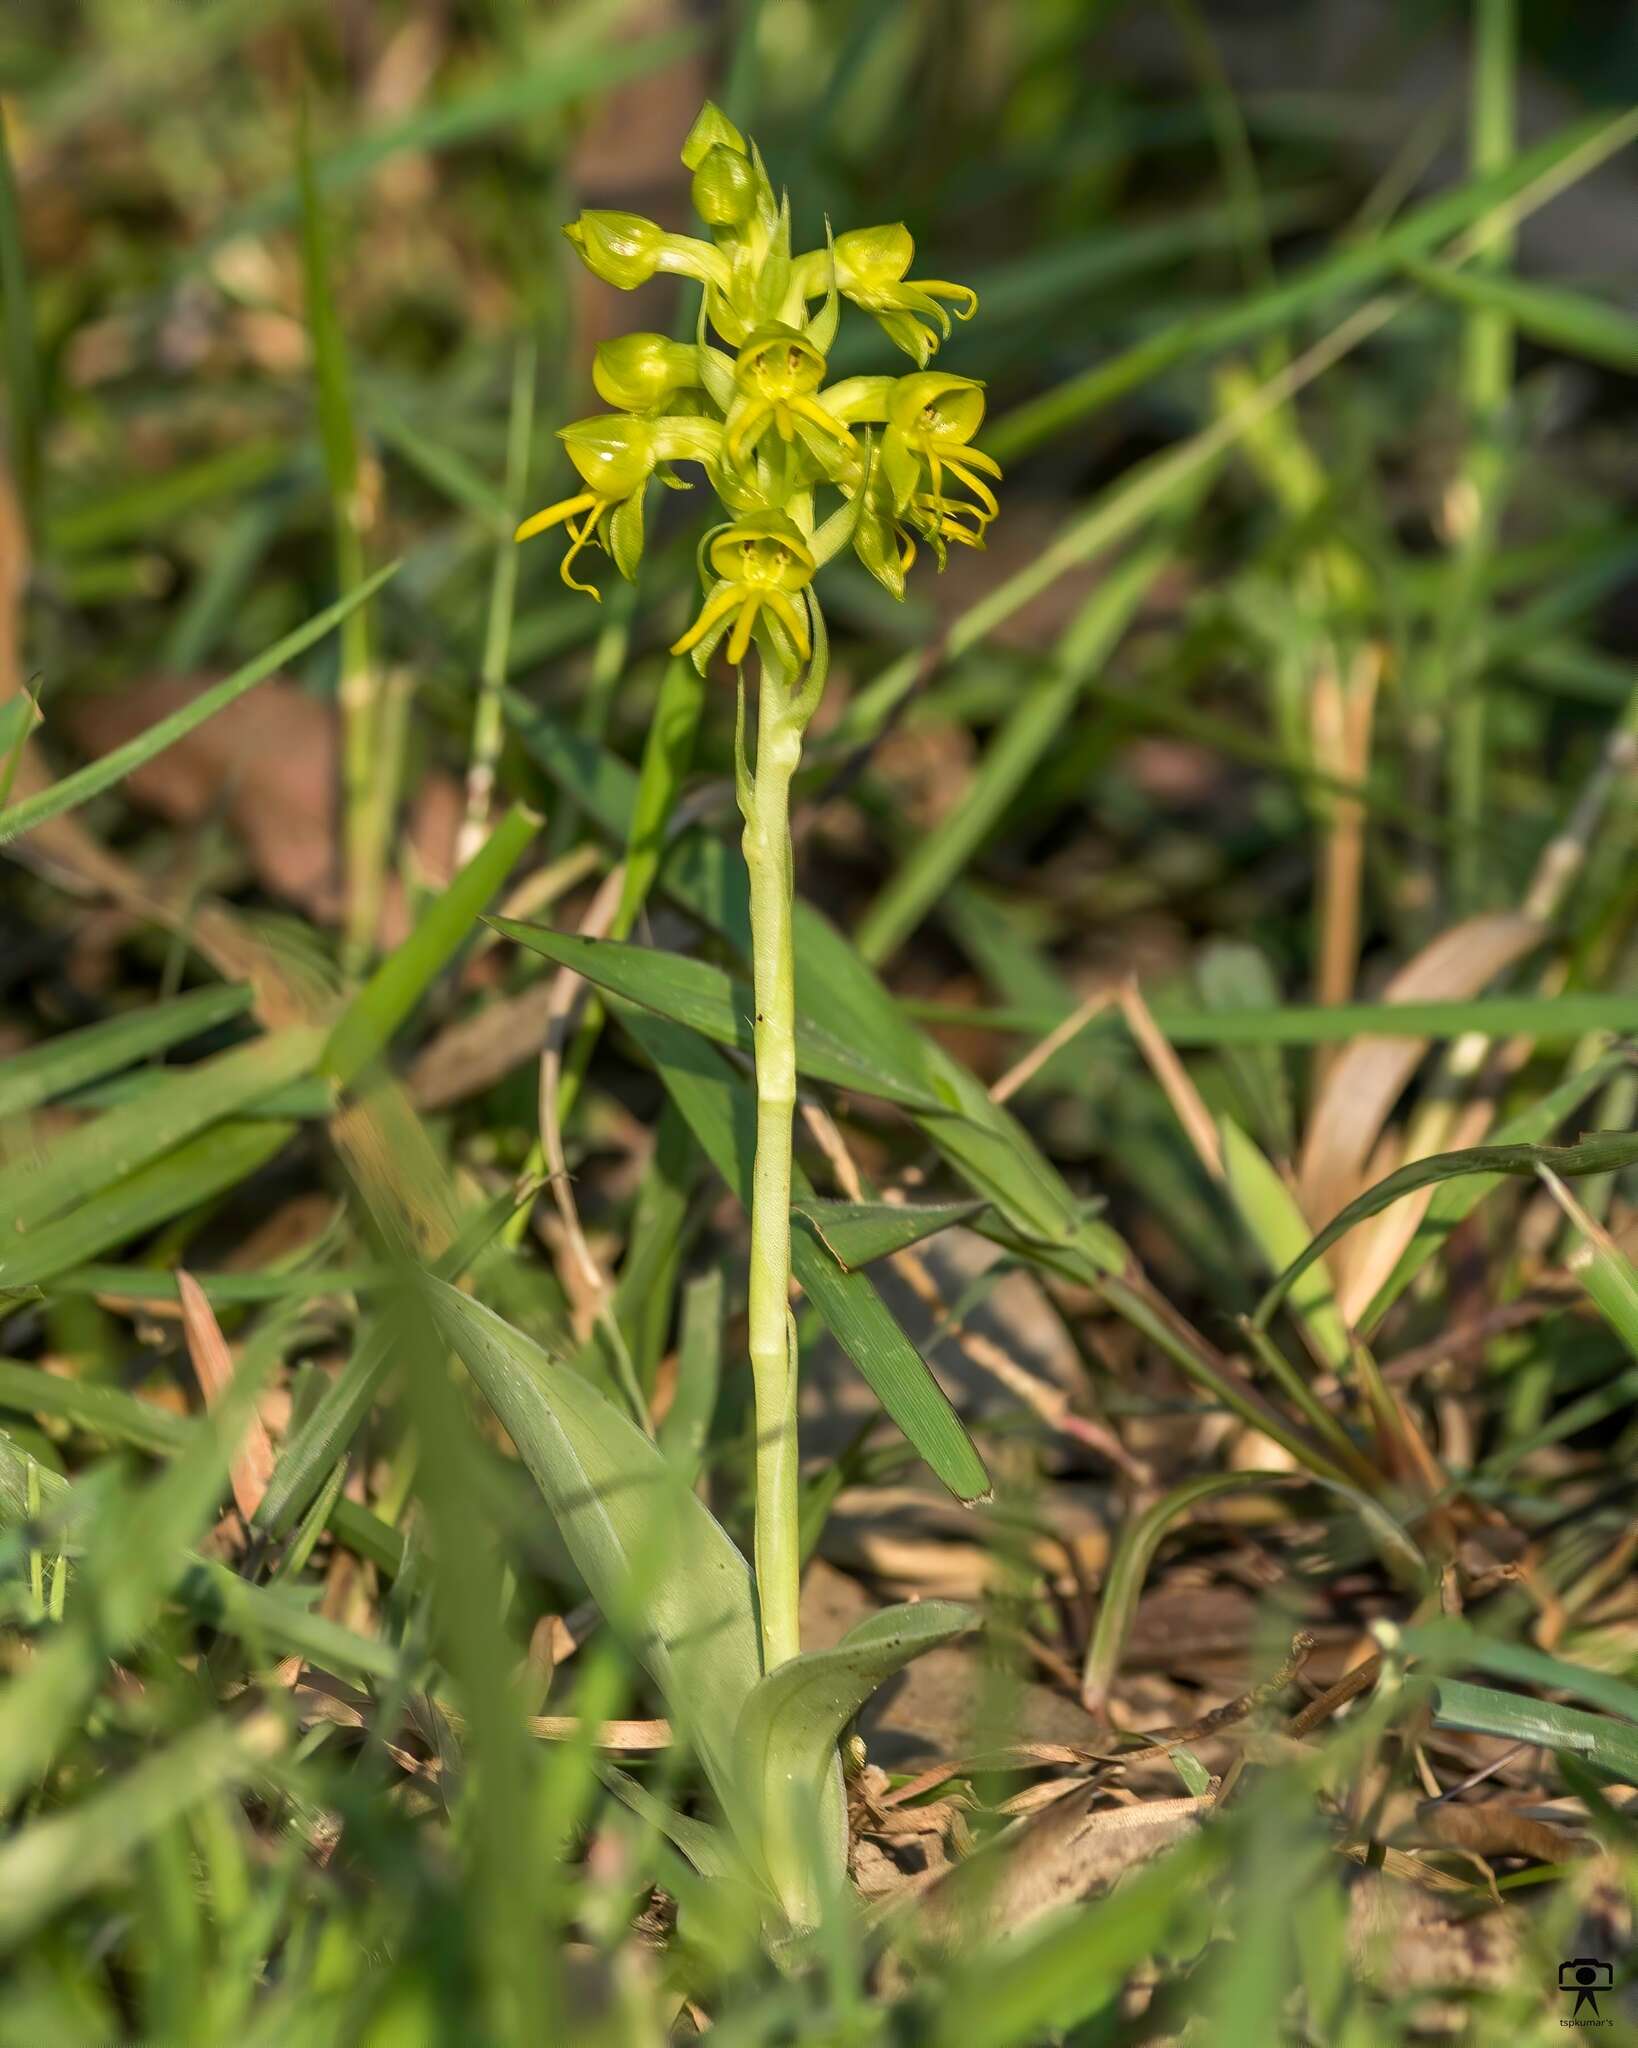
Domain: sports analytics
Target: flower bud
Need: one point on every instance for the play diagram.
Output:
(724, 189)
(872, 257)
(615, 455)
(622, 249)
(639, 372)
(934, 403)
(712, 129)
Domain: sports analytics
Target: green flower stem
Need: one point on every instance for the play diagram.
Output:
(766, 804)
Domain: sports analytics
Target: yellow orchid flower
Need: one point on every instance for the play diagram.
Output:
(616, 456)
(870, 270)
(762, 565)
(777, 373)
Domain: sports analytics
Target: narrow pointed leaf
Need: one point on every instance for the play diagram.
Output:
(1600, 1152)
(721, 1112)
(856, 1233)
(694, 993)
(78, 1058)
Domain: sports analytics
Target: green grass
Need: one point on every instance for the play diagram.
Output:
(1303, 644)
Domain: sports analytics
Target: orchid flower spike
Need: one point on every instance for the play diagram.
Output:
(802, 468)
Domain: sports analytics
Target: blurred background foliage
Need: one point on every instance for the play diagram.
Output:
(1260, 688)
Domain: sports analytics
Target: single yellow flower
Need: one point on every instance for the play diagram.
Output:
(777, 373)
(870, 270)
(763, 566)
(616, 456)
(931, 420)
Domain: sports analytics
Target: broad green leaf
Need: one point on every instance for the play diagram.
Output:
(856, 1233)
(661, 1568)
(838, 993)
(112, 1146)
(1269, 1211)
(365, 1027)
(787, 1736)
(1610, 1745)
(1550, 314)
(44, 1072)
(721, 1112)
(70, 791)
(1449, 1643)
(1600, 1152)
(1142, 1538)
(1455, 1200)
(205, 1166)
(694, 993)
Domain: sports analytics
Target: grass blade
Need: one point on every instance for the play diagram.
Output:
(365, 1027)
(1601, 1152)
(78, 1058)
(111, 1146)
(79, 788)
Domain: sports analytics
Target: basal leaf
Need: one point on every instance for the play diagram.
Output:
(787, 1736)
(659, 1565)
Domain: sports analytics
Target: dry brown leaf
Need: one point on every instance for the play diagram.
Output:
(479, 1050)
(251, 1466)
(1365, 1081)
(1492, 1830)
(1051, 1860)
(269, 762)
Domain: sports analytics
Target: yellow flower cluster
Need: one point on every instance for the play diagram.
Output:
(748, 401)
